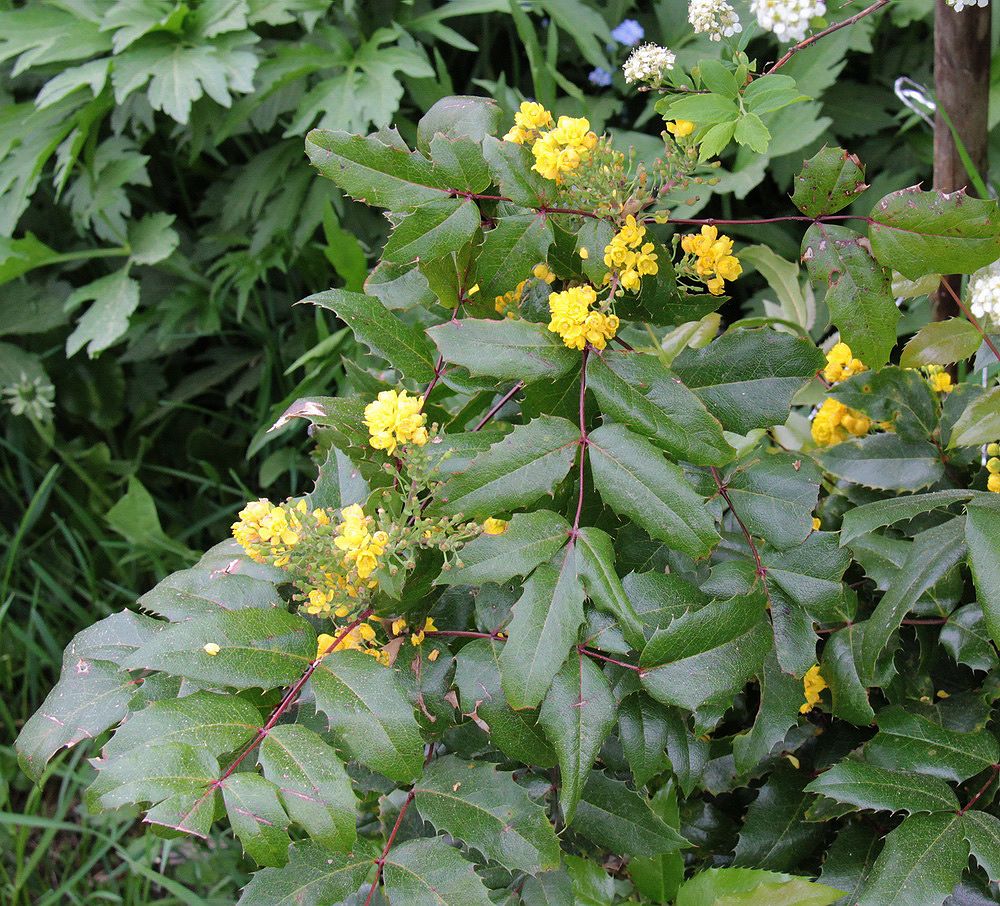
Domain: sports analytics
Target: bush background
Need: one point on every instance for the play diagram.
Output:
(158, 147)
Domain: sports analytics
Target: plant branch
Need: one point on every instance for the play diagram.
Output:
(982, 790)
(438, 371)
(812, 39)
(499, 405)
(574, 532)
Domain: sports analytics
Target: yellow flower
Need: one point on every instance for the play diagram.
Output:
(993, 484)
(993, 450)
(564, 148)
(433, 656)
(816, 523)
(834, 422)
(495, 526)
(473, 291)
(941, 382)
(361, 548)
(812, 684)
(417, 638)
(993, 465)
(714, 259)
(511, 298)
(398, 626)
(211, 649)
(366, 632)
(583, 252)
(265, 529)
(528, 121)
(680, 128)
(543, 272)
(574, 321)
(629, 256)
(841, 364)
(395, 418)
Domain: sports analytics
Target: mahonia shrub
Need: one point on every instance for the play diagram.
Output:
(594, 600)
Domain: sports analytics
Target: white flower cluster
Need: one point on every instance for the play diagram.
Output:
(788, 19)
(984, 293)
(648, 63)
(959, 5)
(716, 18)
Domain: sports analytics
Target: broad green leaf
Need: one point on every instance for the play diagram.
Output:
(198, 591)
(775, 495)
(941, 343)
(840, 669)
(511, 165)
(431, 230)
(866, 518)
(550, 888)
(636, 390)
(850, 857)
(152, 239)
(515, 733)
(529, 539)
(979, 423)
(637, 482)
(753, 887)
(658, 877)
(966, 638)
(577, 715)
(775, 834)
(112, 639)
(642, 730)
(769, 93)
(707, 654)
(259, 649)
(509, 252)
(591, 884)
(369, 713)
(506, 350)
(461, 162)
(933, 553)
(312, 784)
(406, 347)
(810, 575)
(982, 533)
(470, 118)
(919, 233)
(885, 462)
(660, 597)
(866, 786)
(893, 395)
(780, 698)
(527, 464)
(982, 833)
(688, 752)
(545, 626)
(596, 563)
(426, 872)
(620, 820)
(257, 818)
(342, 417)
(922, 860)
(830, 180)
(314, 876)
(115, 298)
(747, 378)
(375, 173)
(701, 109)
(910, 742)
(859, 295)
(488, 811)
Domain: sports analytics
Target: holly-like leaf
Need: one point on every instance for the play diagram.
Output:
(982, 833)
(658, 877)
(747, 378)
(314, 876)
(866, 518)
(780, 698)
(830, 180)
(406, 347)
(618, 819)
(965, 637)
(660, 597)
(982, 532)
(753, 887)
(527, 464)
(866, 786)
(643, 731)
(550, 888)
(577, 716)
(515, 733)
(859, 295)
(596, 562)
(375, 173)
(487, 810)
(638, 391)
(547, 620)
(506, 350)
(460, 160)
(840, 669)
(258, 649)
(427, 873)
(941, 343)
(979, 423)
(637, 482)
(892, 395)
(369, 713)
(885, 462)
(312, 784)
(529, 539)
(431, 230)
(452, 118)
(509, 252)
(922, 860)
(910, 742)
(257, 818)
(707, 654)
(918, 233)
(511, 166)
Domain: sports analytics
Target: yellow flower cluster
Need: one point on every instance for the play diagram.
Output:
(629, 255)
(812, 684)
(574, 321)
(361, 548)
(939, 379)
(563, 149)
(835, 422)
(360, 638)
(841, 364)
(528, 122)
(264, 527)
(395, 418)
(715, 262)
(680, 128)
(510, 298)
(993, 467)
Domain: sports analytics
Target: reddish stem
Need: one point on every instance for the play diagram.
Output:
(982, 790)
(968, 314)
(583, 440)
(438, 371)
(583, 649)
(761, 569)
(499, 405)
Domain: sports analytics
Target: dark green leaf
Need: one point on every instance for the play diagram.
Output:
(550, 888)
(982, 833)
(966, 638)
(893, 395)
(886, 462)
(658, 877)
(863, 519)
(257, 818)
(431, 230)
(869, 787)
(979, 423)
(511, 165)
(840, 670)
(510, 251)
(830, 180)
(596, 563)
(430, 873)
(982, 531)
(642, 729)
(660, 597)
(941, 343)
(197, 591)
(471, 118)
(780, 698)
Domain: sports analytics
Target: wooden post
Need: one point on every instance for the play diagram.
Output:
(962, 86)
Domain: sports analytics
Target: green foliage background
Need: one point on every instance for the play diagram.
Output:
(157, 147)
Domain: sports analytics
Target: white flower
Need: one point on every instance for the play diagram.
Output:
(984, 293)
(32, 397)
(788, 19)
(648, 63)
(716, 18)
(959, 5)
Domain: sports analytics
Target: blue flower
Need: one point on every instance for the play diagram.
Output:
(628, 32)
(600, 77)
